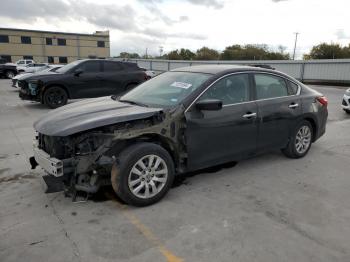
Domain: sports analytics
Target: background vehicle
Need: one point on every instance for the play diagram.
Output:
(41, 70)
(346, 101)
(33, 67)
(140, 141)
(149, 73)
(22, 63)
(81, 79)
(6, 69)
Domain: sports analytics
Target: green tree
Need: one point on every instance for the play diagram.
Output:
(328, 51)
(251, 52)
(206, 53)
(128, 55)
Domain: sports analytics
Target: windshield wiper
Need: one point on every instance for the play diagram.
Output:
(132, 102)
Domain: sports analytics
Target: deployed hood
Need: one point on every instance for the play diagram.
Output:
(22, 76)
(40, 74)
(89, 114)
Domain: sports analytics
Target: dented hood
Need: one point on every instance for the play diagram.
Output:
(89, 114)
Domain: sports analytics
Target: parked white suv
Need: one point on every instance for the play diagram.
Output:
(21, 64)
(346, 101)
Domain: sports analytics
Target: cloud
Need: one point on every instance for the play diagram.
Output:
(341, 35)
(277, 1)
(208, 3)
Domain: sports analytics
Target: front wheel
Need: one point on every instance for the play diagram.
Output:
(300, 141)
(347, 111)
(10, 74)
(143, 174)
(55, 97)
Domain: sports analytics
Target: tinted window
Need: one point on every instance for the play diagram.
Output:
(50, 59)
(26, 40)
(293, 88)
(63, 59)
(28, 57)
(90, 67)
(230, 90)
(49, 41)
(111, 66)
(61, 41)
(268, 86)
(100, 44)
(4, 38)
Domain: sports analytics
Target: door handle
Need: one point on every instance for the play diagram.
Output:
(294, 105)
(249, 115)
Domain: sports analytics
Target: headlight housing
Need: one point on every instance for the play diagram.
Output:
(33, 87)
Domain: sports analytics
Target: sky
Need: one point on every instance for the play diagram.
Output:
(137, 25)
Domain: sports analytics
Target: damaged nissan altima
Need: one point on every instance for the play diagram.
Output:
(183, 120)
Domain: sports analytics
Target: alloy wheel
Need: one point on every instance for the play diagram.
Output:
(148, 176)
(303, 139)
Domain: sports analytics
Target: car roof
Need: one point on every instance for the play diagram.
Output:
(216, 69)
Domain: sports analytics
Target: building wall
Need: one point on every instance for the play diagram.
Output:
(78, 46)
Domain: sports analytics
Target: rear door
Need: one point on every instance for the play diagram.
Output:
(279, 107)
(112, 79)
(88, 82)
(215, 137)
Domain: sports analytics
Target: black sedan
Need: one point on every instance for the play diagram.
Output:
(81, 79)
(183, 120)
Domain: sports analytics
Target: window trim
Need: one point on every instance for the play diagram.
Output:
(254, 100)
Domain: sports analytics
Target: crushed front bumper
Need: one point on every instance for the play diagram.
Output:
(51, 165)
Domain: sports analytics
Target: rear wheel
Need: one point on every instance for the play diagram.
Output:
(143, 174)
(347, 111)
(10, 74)
(55, 97)
(300, 141)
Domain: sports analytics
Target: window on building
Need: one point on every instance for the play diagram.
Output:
(50, 59)
(63, 60)
(4, 38)
(100, 43)
(6, 58)
(48, 41)
(28, 57)
(26, 40)
(61, 41)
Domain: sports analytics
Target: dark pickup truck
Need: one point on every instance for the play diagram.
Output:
(7, 70)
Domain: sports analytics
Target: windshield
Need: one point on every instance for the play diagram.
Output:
(166, 90)
(66, 68)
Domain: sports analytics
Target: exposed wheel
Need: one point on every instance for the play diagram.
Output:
(347, 111)
(55, 97)
(143, 174)
(10, 74)
(300, 141)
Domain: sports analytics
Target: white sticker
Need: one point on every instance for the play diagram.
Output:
(181, 85)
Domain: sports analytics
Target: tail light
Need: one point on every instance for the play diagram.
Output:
(323, 100)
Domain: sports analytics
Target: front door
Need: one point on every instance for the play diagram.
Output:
(215, 137)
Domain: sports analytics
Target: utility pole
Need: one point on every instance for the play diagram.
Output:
(295, 44)
(160, 51)
(146, 55)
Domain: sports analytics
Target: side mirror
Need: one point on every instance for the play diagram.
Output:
(78, 72)
(209, 104)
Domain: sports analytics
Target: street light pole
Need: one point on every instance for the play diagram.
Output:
(295, 44)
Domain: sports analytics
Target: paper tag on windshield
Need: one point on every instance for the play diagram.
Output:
(181, 85)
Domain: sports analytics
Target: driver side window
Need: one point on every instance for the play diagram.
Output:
(232, 89)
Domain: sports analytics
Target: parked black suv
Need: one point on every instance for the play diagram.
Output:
(81, 79)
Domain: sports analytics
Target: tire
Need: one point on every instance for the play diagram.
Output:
(130, 186)
(55, 97)
(301, 140)
(347, 111)
(9, 74)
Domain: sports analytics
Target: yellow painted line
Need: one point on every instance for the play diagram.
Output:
(147, 233)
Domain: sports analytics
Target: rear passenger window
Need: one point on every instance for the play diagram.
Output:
(268, 86)
(111, 66)
(293, 88)
(90, 67)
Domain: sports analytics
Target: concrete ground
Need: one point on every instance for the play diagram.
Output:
(269, 208)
